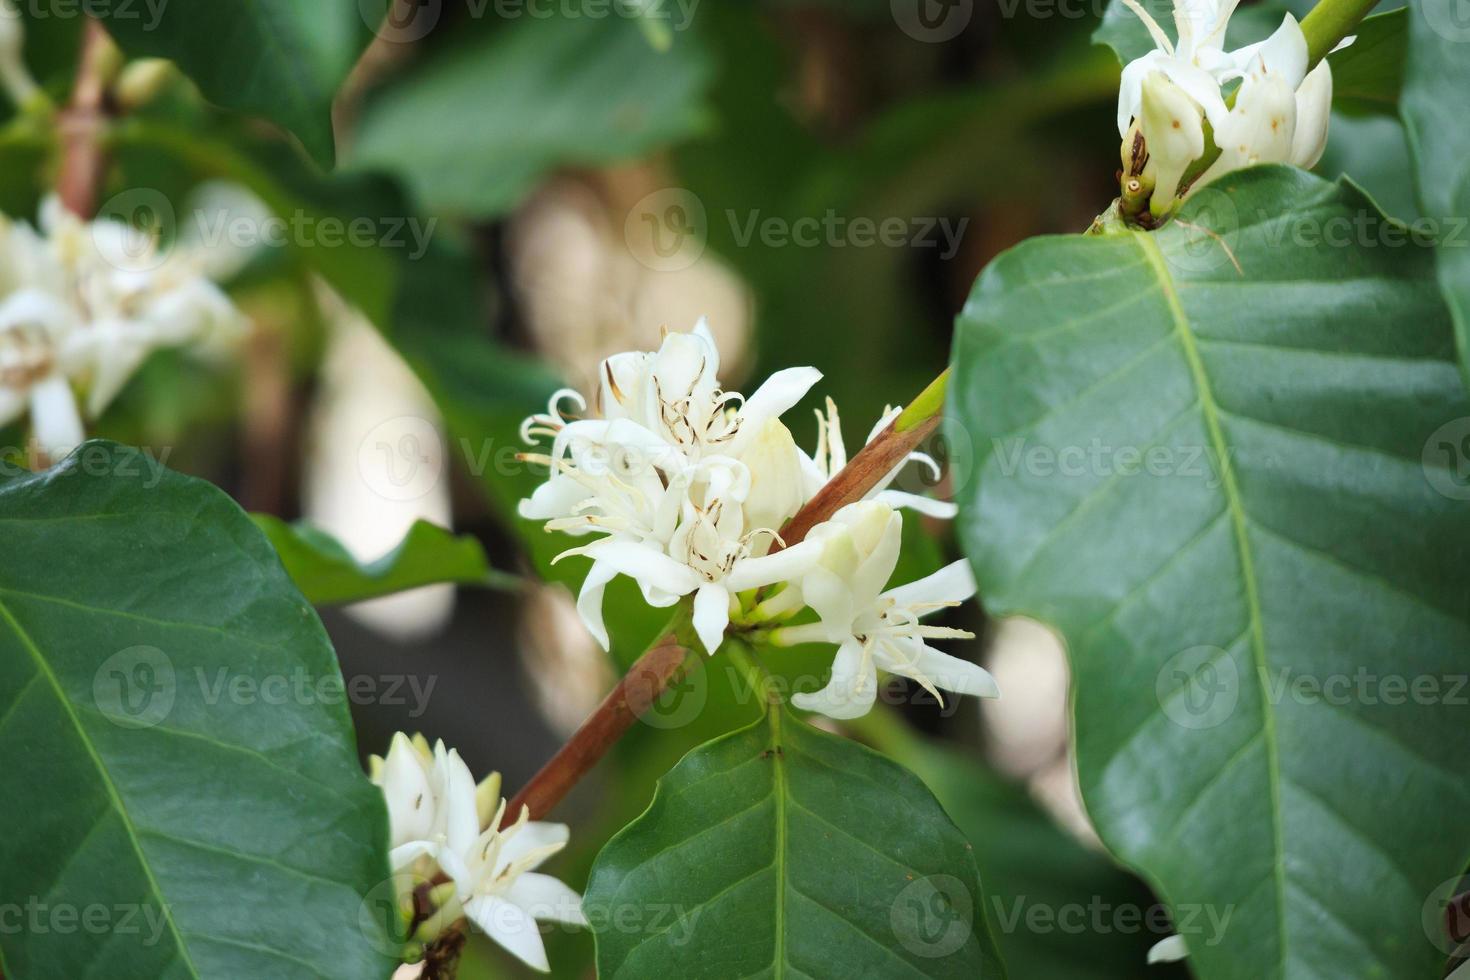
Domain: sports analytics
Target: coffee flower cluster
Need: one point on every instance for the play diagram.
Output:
(441, 823)
(683, 487)
(82, 305)
(1259, 103)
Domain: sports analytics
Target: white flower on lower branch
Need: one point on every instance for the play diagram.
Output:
(439, 819)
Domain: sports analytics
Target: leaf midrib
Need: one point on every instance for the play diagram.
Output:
(1236, 508)
(44, 668)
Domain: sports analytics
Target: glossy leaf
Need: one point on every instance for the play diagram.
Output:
(1211, 456)
(282, 59)
(1368, 74)
(1436, 79)
(179, 762)
(471, 129)
(779, 850)
(327, 574)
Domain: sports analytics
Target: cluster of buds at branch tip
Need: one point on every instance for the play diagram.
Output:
(1190, 111)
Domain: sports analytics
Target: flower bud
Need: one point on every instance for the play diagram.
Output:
(1173, 130)
(775, 477)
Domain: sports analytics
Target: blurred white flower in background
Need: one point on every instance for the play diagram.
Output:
(377, 462)
(83, 304)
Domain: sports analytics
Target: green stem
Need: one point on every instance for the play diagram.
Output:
(928, 404)
(1331, 21)
(745, 660)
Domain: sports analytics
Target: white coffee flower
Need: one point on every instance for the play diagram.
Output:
(1281, 111)
(493, 872)
(684, 484)
(1279, 114)
(877, 629)
(439, 817)
(415, 782)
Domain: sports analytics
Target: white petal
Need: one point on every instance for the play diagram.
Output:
(645, 564)
(1313, 113)
(555, 498)
(533, 836)
(928, 506)
(462, 825)
(1283, 55)
(406, 788)
(507, 924)
(851, 690)
(589, 601)
(874, 571)
(544, 897)
(114, 366)
(771, 400)
(1170, 950)
(954, 582)
(55, 421)
(1130, 90)
(1199, 85)
(783, 566)
(405, 854)
(830, 597)
(711, 615)
(948, 673)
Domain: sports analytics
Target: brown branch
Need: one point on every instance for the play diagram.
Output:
(81, 122)
(624, 704)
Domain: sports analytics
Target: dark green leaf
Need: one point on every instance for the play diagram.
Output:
(1367, 75)
(327, 574)
(179, 761)
(1058, 908)
(471, 129)
(1211, 456)
(1435, 82)
(282, 59)
(779, 850)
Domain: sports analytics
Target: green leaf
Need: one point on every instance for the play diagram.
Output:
(1040, 881)
(780, 850)
(327, 574)
(179, 760)
(282, 59)
(1222, 486)
(1368, 74)
(471, 129)
(1433, 105)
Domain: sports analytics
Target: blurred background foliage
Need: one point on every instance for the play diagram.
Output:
(536, 146)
